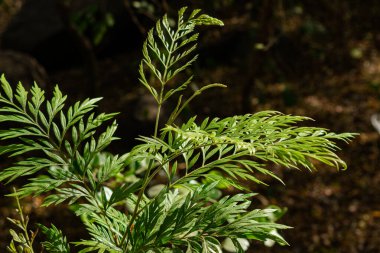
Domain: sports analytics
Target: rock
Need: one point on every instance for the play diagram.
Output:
(45, 29)
(39, 30)
(37, 21)
(21, 67)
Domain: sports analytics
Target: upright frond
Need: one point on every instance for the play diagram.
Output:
(168, 51)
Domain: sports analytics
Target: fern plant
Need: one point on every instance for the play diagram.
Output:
(60, 151)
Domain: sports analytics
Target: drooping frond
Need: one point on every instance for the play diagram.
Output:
(240, 145)
(56, 242)
(106, 231)
(191, 221)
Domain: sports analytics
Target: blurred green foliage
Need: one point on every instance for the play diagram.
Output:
(93, 21)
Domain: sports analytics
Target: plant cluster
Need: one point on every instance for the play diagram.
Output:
(62, 153)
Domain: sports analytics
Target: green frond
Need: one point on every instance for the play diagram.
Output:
(60, 150)
(70, 194)
(23, 240)
(57, 137)
(168, 51)
(56, 242)
(241, 145)
(191, 220)
(105, 231)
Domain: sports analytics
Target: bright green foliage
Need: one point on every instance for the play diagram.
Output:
(92, 20)
(61, 151)
(267, 136)
(169, 53)
(188, 222)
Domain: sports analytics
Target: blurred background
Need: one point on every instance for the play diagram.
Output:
(319, 59)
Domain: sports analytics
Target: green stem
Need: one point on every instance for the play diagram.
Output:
(24, 224)
(195, 94)
(157, 120)
(148, 178)
(135, 211)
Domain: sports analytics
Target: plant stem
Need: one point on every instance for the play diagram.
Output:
(135, 211)
(148, 178)
(24, 224)
(157, 119)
